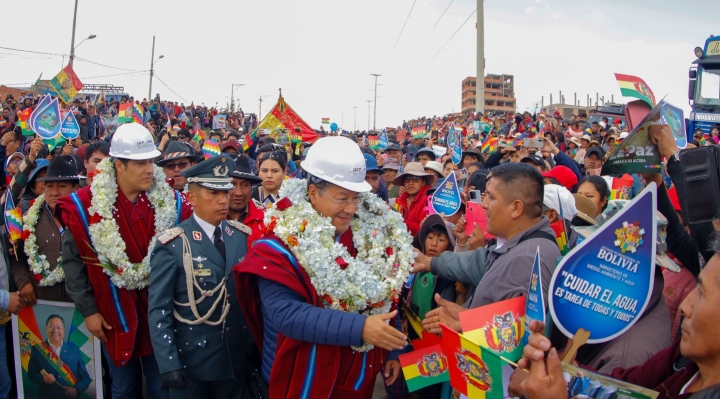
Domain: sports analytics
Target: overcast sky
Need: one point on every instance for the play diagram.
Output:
(322, 52)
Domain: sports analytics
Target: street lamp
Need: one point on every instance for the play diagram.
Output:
(232, 94)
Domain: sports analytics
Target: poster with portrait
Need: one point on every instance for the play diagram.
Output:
(55, 354)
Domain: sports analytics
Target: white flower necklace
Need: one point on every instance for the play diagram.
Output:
(38, 262)
(105, 234)
(366, 284)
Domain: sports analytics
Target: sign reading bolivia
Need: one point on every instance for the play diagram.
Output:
(603, 285)
(446, 199)
(282, 116)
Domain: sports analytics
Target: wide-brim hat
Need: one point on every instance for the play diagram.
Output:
(242, 170)
(435, 166)
(474, 152)
(414, 169)
(177, 150)
(585, 208)
(62, 168)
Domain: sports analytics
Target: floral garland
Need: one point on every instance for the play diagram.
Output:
(39, 265)
(105, 234)
(366, 284)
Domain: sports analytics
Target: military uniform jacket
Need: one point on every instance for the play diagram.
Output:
(203, 351)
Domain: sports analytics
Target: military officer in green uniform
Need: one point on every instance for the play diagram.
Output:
(199, 334)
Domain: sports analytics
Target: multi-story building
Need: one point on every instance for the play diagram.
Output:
(499, 94)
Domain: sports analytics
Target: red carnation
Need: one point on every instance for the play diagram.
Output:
(283, 204)
(32, 202)
(388, 251)
(25, 235)
(341, 262)
(271, 226)
(37, 277)
(95, 218)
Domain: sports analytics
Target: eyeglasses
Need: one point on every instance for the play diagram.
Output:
(342, 203)
(412, 178)
(182, 165)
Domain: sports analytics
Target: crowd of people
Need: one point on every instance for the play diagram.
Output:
(277, 269)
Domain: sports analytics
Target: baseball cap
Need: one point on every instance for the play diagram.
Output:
(391, 163)
(557, 197)
(564, 175)
(595, 150)
(536, 160)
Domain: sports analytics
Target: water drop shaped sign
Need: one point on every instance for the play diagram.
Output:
(604, 284)
(446, 199)
(70, 128)
(48, 120)
(457, 145)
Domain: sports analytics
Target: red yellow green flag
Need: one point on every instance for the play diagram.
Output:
(424, 367)
(633, 86)
(66, 84)
(499, 327)
(474, 371)
(282, 116)
(418, 132)
(125, 113)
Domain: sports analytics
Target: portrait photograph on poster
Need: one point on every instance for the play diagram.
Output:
(55, 355)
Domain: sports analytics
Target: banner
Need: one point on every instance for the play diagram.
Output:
(499, 327)
(69, 128)
(77, 365)
(219, 121)
(46, 120)
(446, 199)
(282, 116)
(604, 284)
(66, 84)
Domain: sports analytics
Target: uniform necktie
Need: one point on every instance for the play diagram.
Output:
(217, 240)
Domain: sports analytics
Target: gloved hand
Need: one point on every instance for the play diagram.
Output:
(174, 379)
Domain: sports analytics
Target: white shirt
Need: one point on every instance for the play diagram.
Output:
(57, 350)
(208, 228)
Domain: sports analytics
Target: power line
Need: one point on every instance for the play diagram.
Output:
(107, 66)
(168, 87)
(401, 31)
(30, 51)
(431, 29)
(453, 35)
(117, 74)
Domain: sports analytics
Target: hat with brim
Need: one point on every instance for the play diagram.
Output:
(585, 208)
(62, 168)
(536, 160)
(435, 166)
(614, 206)
(242, 170)
(213, 173)
(426, 151)
(177, 150)
(414, 169)
(392, 164)
(474, 152)
(40, 164)
(574, 140)
(428, 223)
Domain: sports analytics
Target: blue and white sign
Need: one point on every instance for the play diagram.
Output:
(383, 140)
(42, 104)
(70, 128)
(456, 146)
(47, 120)
(535, 300)
(446, 199)
(604, 284)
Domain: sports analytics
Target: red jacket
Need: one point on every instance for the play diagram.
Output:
(255, 221)
(417, 211)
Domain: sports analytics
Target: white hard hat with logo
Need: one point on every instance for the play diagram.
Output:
(133, 141)
(339, 161)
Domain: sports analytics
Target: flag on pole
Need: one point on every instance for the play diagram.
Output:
(66, 84)
(325, 121)
(137, 115)
(125, 113)
(13, 218)
(248, 142)
(37, 83)
(474, 371)
(373, 142)
(424, 367)
(633, 86)
(418, 132)
(25, 122)
(211, 148)
(499, 327)
(282, 116)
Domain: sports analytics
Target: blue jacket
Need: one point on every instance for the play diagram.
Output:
(71, 356)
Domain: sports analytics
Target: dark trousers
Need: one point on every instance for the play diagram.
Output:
(221, 389)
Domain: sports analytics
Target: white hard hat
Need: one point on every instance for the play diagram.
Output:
(557, 197)
(133, 141)
(339, 161)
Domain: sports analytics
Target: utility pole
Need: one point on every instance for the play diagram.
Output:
(480, 79)
(152, 68)
(368, 129)
(355, 120)
(375, 101)
(232, 95)
(72, 43)
(260, 111)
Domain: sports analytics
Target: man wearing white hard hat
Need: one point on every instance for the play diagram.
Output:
(110, 230)
(319, 288)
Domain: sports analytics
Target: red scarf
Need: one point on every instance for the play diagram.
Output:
(337, 370)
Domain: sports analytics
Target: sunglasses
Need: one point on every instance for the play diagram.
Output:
(412, 178)
(182, 165)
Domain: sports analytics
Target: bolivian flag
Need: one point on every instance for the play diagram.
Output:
(66, 84)
(424, 367)
(418, 132)
(125, 113)
(474, 371)
(633, 86)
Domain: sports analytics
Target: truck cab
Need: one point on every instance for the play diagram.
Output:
(704, 87)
